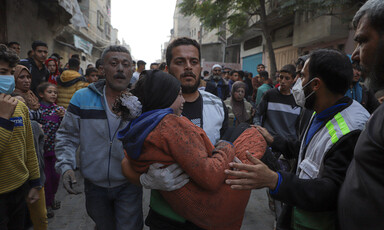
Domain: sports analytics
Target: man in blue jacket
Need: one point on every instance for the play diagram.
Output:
(89, 123)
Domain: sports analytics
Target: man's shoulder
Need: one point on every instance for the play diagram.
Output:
(207, 96)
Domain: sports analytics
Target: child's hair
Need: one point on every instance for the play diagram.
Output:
(42, 87)
(91, 70)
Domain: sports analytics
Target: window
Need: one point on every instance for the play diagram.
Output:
(253, 42)
(100, 21)
(107, 29)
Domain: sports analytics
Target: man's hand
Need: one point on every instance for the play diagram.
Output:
(254, 177)
(267, 136)
(69, 180)
(33, 195)
(166, 179)
(7, 105)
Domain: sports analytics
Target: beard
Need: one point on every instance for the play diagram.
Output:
(216, 77)
(310, 101)
(191, 88)
(374, 74)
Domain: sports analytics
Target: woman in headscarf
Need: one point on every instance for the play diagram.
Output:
(53, 68)
(23, 79)
(161, 135)
(239, 110)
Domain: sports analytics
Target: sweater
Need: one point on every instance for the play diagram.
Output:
(18, 160)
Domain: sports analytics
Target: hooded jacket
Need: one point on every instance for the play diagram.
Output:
(69, 82)
(85, 125)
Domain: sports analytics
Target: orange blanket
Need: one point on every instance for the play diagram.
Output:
(206, 200)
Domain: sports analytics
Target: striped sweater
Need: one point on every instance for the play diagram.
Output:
(18, 161)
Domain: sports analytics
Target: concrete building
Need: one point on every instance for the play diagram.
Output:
(67, 26)
(212, 45)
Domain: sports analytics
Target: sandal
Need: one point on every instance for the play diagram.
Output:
(56, 204)
(50, 212)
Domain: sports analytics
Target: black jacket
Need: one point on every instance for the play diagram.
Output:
(318, 194)
(361, 199)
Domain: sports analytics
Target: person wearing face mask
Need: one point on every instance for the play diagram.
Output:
(216, 84)
(324, 152)
(19, 169)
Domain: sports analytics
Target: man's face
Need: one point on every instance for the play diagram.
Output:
(51, 66)
(286, 81)
(5, 69)
(310, 101)
(92, 77)
(16, 48)
(356, 75)
(40, 53)
(153, 67)
(185, 66)
(369, 53)
(225, 74)
(117, 70)
(260, 68)
(235, 77)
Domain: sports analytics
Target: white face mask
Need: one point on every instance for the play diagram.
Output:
(298, 92)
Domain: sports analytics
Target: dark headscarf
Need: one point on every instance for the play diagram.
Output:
(238, 107)
(156, 90)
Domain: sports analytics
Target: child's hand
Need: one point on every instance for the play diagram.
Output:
(7, 105)
(60, 112)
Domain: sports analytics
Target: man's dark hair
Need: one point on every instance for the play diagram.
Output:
(8, 55)
(114, 48)
(76, 56)
(13, 43)
(232, 72)
(333, 67)
(90, 70)
(205, 73)
(264, 75)
(301, 60)
(184, 41)
(154, 63)
(241, 74)
(73, 64)
(162, 66)
(35, 44)
(290, 69)
(374, 10)
(29, 52)
(99, 62)
(261, 65)
(141, 62)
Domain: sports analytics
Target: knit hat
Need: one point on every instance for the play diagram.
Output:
(215, 66)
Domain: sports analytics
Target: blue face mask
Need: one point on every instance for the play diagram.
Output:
(7, 84)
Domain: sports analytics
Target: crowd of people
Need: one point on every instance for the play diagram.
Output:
(312, 136)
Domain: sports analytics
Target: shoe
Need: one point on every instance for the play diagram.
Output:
(50, 212)
(56, 204)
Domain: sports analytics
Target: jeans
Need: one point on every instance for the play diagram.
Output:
(12, 208)
(114, 208)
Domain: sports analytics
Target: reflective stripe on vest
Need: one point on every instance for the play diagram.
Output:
(342, 125)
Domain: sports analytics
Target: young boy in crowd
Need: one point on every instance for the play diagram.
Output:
(19, 170)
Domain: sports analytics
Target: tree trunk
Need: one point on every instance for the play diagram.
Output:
(268, 39)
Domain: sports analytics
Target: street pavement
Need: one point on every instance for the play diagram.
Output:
(73, 216)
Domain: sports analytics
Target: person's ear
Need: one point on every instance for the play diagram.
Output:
(316, 84)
